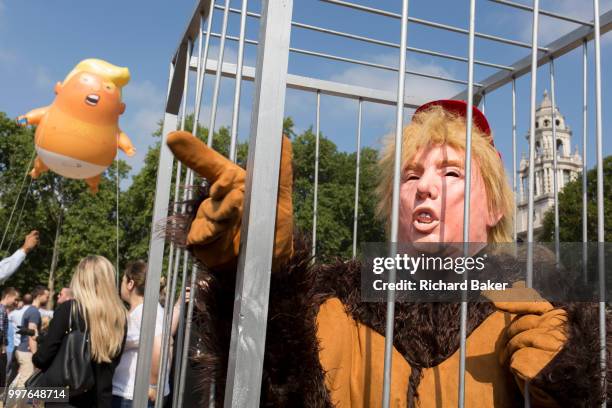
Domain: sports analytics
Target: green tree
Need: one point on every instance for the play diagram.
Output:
(335, 207)
(570, 209)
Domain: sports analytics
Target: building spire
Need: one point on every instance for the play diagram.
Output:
(546, 103)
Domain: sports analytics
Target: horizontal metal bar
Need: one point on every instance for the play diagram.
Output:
(557, 48)
(378, 42)
(542, 12)
(354, 61)
(308, 84)
(429, 23)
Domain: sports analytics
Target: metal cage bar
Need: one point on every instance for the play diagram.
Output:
(240, 63)
(600, 193)
(555, 160)
(215, 98)
(183, 252)
(399, 124)
(160, 212)
(370, 40)
(429, 23)
(543, 12)
(584, 159)
(161, 378)
(532, 119)
(246, 352)
(357, 169)
(555, 49)
(466, 200)
(514, 189)
(357, 62)
(316, 175)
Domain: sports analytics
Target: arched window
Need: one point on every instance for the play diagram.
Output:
(546, 123)
(537, 124)
(538, 149)
(559, 147)
(557, 122)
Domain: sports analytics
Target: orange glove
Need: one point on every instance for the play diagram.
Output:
(214, 234)
(534, 337)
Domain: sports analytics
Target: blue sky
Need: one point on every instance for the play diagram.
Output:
(42, 41)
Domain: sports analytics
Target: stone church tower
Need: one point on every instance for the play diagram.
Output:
(568, 166)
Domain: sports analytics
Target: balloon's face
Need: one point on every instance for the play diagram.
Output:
(91, 97)
(432, 194)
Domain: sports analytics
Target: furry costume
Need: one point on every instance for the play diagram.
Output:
(293, 375)
(324, 346)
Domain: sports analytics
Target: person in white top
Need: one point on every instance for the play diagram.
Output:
(9, 265)
(132, 292)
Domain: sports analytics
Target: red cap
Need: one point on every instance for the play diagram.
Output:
(460, 108)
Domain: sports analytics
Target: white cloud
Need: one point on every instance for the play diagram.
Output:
(552, 28)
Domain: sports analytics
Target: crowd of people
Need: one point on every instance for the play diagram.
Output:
(33, 333)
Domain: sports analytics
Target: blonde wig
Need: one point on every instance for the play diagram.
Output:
(93, 287)
(436, 126)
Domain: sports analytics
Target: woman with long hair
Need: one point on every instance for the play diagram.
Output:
(99, 310)
(132, 292)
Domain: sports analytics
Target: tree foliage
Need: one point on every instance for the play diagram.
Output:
(88, 222)
(570, 209)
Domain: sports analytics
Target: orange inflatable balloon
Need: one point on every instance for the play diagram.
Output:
(78, 134)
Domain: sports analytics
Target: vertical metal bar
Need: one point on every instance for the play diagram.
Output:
(555, 159)
(357, 168)
(584, 160)
(184, 253)
(531, 176)
(399, 124)
(215, 100)
(186, 84)
(186, 338)
(180, 335)
(240, 62)
(166, 333)
(514, 158)
(184, 321)
(466, 199)
(600, 194)
(316, 175)
(156, 243)
(246, 352)
(201, 69)
(484, 102)
(173, 272)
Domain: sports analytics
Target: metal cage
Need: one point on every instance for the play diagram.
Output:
(191, 64)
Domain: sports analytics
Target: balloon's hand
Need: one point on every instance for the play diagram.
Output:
(33, 117)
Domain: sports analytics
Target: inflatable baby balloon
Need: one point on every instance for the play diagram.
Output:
(78, 134)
